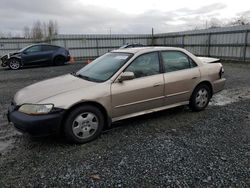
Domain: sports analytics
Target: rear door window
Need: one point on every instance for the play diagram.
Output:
(49, 48)
(175, 61)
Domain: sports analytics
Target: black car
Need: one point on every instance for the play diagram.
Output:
(37, 54)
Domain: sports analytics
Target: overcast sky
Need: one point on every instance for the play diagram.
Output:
(122, 16)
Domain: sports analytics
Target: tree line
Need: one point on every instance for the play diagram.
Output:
(41, 30)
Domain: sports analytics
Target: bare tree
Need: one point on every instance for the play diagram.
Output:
(242, 20)
(45, 29)
(37, 32)
(26, 32)
(41, 30)
(215, 23)
(52, 29)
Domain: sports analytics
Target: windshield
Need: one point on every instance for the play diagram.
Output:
(25, 48)
(104, 67)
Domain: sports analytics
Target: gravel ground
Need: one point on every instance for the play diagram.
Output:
(172, 148)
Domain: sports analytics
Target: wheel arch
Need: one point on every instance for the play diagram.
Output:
(17, 58)
(58, 56)
(204, 82)
(91, 103)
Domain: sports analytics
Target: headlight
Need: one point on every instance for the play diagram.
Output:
(36, 109)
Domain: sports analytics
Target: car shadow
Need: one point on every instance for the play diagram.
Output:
(148, 117)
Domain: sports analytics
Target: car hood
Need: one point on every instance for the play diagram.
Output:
(43, 90)
(10, 55)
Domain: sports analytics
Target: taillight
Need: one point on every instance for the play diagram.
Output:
(221, 72)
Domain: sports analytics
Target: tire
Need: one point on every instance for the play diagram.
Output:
(200, 98)
(14, 64)
(83, 124)
(59, 60)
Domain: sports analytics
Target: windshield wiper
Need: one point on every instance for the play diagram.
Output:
(85, 77)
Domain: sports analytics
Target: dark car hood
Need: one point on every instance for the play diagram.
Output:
(7, 56)
(15, 53)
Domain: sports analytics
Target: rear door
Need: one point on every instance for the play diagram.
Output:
(144, 92)
(181, 76)
(48, 52)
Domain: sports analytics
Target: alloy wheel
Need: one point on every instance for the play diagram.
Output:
(85, 125)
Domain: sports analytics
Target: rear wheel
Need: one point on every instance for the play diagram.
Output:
(200, 98)
(14, 64)
(59, 60)
(84, 124)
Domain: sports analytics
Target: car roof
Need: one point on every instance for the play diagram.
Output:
(141, 50)
(146, 49)
(42, 44)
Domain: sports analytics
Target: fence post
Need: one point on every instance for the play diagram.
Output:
(209, 44)
(18, 46)
(97, 47)
(152, 43)
(64, 43)
(183, 38)
(245, 46)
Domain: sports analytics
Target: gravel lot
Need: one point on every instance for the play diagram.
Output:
(175, 148)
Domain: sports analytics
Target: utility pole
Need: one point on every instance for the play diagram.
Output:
(110, 39)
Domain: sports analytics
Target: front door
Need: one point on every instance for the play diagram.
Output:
(144, 92)
(33, 55)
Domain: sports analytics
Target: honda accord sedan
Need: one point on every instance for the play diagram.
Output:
(120, 84)
(37, 54)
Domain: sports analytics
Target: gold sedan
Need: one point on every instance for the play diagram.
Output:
(121, 84)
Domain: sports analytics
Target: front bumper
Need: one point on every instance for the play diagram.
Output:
(36, 125)
(4, 61)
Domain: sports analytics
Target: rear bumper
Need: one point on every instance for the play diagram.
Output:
(218, 85)
(36, 125)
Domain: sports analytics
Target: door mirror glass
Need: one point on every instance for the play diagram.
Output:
(126, 76)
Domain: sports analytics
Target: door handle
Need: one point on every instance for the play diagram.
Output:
(194, 77)
(156, 84)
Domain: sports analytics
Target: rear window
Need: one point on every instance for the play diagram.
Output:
(49, 48)
(175, 60)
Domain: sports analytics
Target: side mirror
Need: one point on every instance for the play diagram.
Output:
(126, 76)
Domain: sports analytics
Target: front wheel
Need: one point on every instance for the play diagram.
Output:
(14, 64)
(200, 98)
(84, 124)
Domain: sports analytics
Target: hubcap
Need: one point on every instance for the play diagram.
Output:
(201, 98)
(85, 125)
(14, 64)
